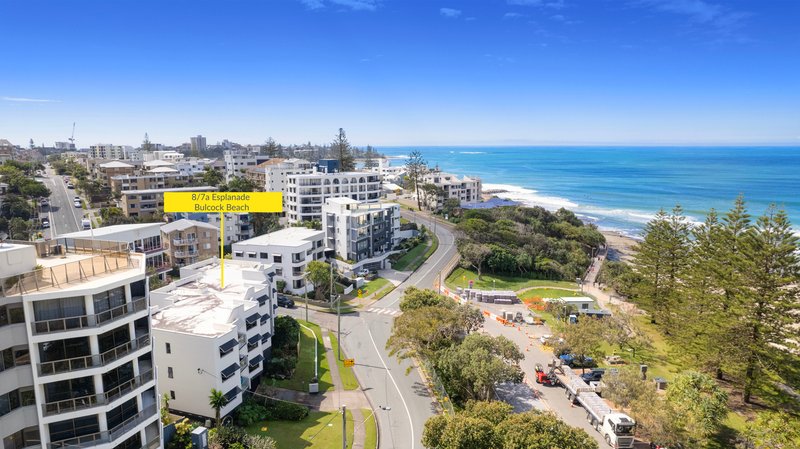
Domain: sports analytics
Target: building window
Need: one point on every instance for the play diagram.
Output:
(169, 348)
(169, 372)
(251, 255)
(172, 394)
(264, 256)
(73, 428)
(238, 254)
(276, 258)
(28, 436)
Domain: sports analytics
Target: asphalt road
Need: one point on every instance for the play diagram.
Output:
(399, 396)
(64, 216)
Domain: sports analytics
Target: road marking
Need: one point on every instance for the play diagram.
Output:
(382, 311)
(410, 422)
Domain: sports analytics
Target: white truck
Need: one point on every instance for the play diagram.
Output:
(616, 428)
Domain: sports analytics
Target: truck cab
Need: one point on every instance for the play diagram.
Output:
(618, 430)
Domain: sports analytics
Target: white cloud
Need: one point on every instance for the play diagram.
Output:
(355, 5)
(450, 13)
(513, 15)
(714, 17)
(29, 100)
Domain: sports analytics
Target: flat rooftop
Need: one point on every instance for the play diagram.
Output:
(121, 232)
(292, 236)
(173, 189)
(200, 306)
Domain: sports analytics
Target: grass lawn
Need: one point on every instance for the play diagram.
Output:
(349, 381)
(373, 286)
(461, 277)
(371, 430)
(416, 256)
(319, 430)
(548, 293)
(305, 363)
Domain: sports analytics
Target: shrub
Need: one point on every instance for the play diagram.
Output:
(288, 411)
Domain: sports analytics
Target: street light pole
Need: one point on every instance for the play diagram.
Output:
(338, 316)
(305, 284)
(344, 427)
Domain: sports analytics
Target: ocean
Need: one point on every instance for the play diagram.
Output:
(622, 188)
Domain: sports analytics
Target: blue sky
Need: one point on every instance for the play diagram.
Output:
(402, 72)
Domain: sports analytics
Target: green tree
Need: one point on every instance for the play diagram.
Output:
(767, 322)
(432, 193)
(451, 207)
(622, 330)
(470, 369)
(212, 177)
(165, 416)
(773, 430)
(473, 254)
(20, 229)
(264, 223)
(700, 405)
(271, 148)
(341, 149)
(239, 184)
(415, 298)
(319, 274)
(536, 430)
(585, 338)
(458, 432)
(369, 158)
(661, 259)
(424, 332)
(217, 400)
(416, 168)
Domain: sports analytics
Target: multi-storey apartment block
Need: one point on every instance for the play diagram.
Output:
(273, 174)
(77, 367)
(213, 337)
(108, 151)
(144, 203)
(304, 195)
(189, 241)
(108, 170)
(466, 189)
(238, 161)
(144, 238)
(362, 234)
(156, 178)
(288, 250)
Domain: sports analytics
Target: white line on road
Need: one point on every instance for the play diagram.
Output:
(410, 422)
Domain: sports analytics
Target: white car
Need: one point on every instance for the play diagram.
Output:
(77, 203)
(362, 272)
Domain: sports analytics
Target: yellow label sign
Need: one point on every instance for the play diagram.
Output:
(360, 292)
(349, 362)
(223, 202)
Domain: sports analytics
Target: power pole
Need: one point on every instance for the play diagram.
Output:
(344, 427)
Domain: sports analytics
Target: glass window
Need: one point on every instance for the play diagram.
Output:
(169, 372)
(59, 308)
(264, 256)
(108, 300)
(172, 394)
(169, 348)
(117, 377)
(73, 428)
(69, 389)
(114, 338)
(69, 348)
(28, 436)
(138, 289)
(118, 415)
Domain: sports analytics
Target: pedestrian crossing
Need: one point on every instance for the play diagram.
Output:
(382, 311)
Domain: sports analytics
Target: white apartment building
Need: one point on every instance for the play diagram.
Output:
(108, 151)
(238, 161)
(144, 238)
(209, 337)
(466, 190)
(238, 227)
(387, 171)
(193, 166)
(289, 250)
(277, 171)
(77, 367)
(362, 234)
(305, 194)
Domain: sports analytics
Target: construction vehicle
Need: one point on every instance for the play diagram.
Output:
(546, 378)
(616, 428)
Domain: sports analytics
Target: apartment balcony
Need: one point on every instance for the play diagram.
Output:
(110, 435)
(95, 400)
(185, 254)
(183, 242)
(94, 360)
(89, 321)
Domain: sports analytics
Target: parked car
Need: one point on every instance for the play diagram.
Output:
(70, 186)
(44, 202)
(77, 203)
(594, 375)
(45, 223)
(86, 224)
(362, 272)
(575, 361)
(285, 301)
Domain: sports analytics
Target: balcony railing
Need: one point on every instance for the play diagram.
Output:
(59, 276)
(185, 253)
(94, 360)
(94, 400)
(186, 241)
(107, 436)
(86, 321)
(128, 386)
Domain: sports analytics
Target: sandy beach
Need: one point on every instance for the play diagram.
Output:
(621, 247)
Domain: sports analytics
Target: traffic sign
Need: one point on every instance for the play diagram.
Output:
(349, 362)
(360, 292)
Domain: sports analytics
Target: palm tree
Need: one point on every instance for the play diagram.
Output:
(217, 400)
